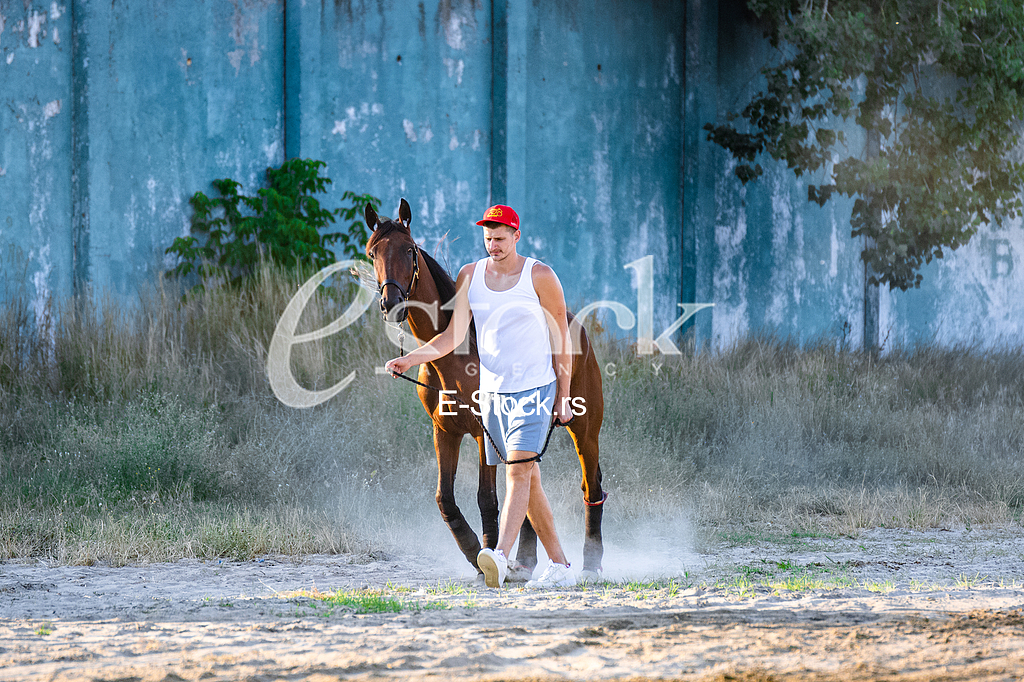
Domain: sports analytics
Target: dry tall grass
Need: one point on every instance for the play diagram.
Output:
(823, 439)
(145, 429)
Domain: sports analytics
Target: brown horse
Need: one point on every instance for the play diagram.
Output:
(406, 275)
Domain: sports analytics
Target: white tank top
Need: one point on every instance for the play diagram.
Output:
(511, 334)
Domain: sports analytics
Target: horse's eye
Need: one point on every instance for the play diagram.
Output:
(370, 254)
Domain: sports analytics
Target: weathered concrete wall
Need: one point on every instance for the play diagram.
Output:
(586, 115)
(772, 261)
(602, 154)
(553, 108)
(167, 100)
(35, 150)
(972, 297)
(395, 97)
(113, 114)
(768, 259)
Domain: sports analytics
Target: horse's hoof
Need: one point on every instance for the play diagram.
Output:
(517, 573)
(478, 581)
(589, 576)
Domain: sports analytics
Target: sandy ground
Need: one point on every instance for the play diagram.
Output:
(889, 604)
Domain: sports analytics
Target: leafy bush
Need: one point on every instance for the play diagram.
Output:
(283, 223)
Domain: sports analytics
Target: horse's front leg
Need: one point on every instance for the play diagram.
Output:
(447, 447)
(487, 497)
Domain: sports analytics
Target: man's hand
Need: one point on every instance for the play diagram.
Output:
(563, 410)
(398, 365)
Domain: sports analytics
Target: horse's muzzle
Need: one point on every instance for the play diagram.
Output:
(388, 305)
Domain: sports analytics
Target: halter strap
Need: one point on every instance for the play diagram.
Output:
(406, 294)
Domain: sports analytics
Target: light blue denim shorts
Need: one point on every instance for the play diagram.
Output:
(517, 421)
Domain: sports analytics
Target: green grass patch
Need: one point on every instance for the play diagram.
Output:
(450, 587)
(649, 589)
(882, 587)
(969, 582)
(777, 577)
(802, 582)
(370, 601)
(800, 534)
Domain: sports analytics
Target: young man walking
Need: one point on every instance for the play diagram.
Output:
(525, 370)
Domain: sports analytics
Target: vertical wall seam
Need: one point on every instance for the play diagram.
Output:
(700, 106)
(689, 166)
(284, 79)
(687, 284)
(871, 309)
(499, 101)
(79, 225)
(516, 84)
(291, 80)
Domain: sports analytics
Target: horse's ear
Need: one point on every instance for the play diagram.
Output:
(405, 213)
(371, 217)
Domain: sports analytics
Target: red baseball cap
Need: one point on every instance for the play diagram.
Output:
(499, 213)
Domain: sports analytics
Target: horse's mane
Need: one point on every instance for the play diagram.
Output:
(446, 292)
(443, 281)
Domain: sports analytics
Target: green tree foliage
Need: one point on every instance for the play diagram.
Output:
(283, 223)
(937, 86)
(353, 240)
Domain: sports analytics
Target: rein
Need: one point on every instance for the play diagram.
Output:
(497, 450)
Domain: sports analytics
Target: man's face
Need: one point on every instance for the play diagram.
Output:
(500, 241)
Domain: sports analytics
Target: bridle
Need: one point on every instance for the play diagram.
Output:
(406, 294)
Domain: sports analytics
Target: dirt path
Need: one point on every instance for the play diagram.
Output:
(888, 604)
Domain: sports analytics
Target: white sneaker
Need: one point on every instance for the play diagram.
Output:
(555, 575)
(494, 565)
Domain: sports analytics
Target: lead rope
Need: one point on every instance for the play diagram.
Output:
(497, 450)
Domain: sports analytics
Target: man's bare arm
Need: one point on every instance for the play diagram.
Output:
(448, 340)
(552, 300)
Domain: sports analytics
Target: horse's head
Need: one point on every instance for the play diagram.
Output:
(395, 258)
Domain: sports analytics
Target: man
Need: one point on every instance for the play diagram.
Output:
(525, 370)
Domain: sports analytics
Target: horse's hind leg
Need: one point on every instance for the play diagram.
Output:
(447, 447)
(584, 434)
(526, 554)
